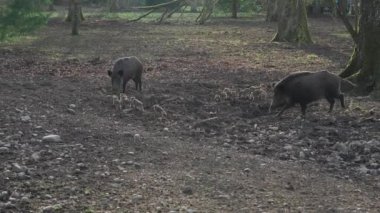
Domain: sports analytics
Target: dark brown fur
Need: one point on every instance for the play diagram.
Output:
(305, 87)
(125, 69)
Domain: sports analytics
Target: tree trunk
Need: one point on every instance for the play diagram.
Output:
(292, 24)
(71, 10)
(75, 18)
(343, 6)
(114, 5)
(193, 6)
(235, 4)
(208, 8)
(272, 10)
(364, 65)
(317, 10)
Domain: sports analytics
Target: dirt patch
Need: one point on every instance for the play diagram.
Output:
(205, 140)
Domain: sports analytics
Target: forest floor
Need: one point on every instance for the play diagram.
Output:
(217, 149)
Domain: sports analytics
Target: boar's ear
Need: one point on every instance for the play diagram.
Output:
(120, 72)
(109, 72)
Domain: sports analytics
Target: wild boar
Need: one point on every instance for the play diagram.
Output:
(123, 70)
(306, 87)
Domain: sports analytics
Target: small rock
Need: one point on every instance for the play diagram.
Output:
(226, 145)
(137, 138)
(129, 162)
(72, 106)
(136, 198)
(52, 138)
(341, 148)
(247, 170)
(274, 128)
(376, 157)
(22, 176)
(356, 146)
(137, 166)
(36, 156)
(26, 118)
(225, 197)
(289, 186)
(81, 166)
(191, 211)
(363, 169)
(4, 150)
(71, 111)
(302, 155)
(52, 208)
(288, 147)
(166, 129)
(7, 205)
(24, 200)
(4, 196)
(18, 168)
(187, 190)
(251, 141)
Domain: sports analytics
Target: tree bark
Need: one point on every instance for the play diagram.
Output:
(317, 10)
(208, 8)
(272, 10)
(364, 65)
(292, 25)
(71, 10)
(235, 4)
(342, 6)
(75, 18)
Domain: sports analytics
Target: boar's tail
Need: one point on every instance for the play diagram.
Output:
(347, 85)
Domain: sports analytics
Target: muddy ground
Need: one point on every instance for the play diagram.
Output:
(214, 149)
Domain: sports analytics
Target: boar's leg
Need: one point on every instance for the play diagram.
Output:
(341, 98)
(331, 100)
(287, 106)
(125, 81)
(137, 83)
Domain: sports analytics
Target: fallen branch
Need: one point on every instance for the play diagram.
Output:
(202, 122)
(146, 14)
(159, 5)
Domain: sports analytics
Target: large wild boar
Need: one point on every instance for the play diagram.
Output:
(306, 87)
(125, 69)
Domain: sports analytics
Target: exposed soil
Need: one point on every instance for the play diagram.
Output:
(214, 149)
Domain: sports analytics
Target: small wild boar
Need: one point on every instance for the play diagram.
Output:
(123, 70)
(306, 87)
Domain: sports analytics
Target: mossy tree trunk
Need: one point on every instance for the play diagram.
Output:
(235, 6)
(75, 19)
(292, 24)
(71, 10)
(364, 65)
(114, 5)
(208, 8)
(272, 10)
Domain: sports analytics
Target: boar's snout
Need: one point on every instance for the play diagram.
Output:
(116, 82)
(277, 101)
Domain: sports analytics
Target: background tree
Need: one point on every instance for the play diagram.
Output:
(292, 23)
(364, 64)
(76, 16)
(272, 10)
(19, 17)
(70, 12)
(208, 8)
(235, 8)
